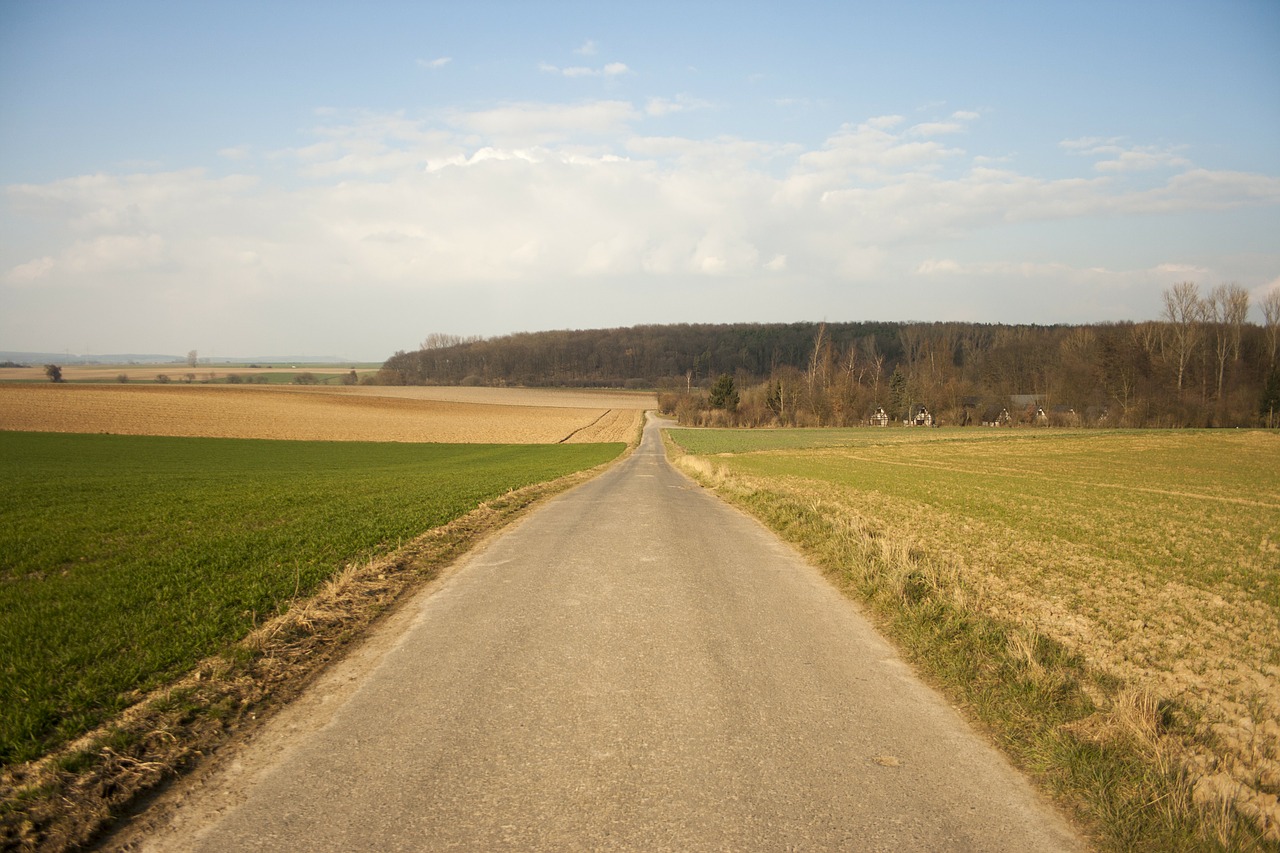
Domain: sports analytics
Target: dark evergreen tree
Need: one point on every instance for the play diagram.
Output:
(1270, 408)
(723, 395)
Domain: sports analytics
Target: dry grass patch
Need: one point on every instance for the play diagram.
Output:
(328, 414)
(1151, 557)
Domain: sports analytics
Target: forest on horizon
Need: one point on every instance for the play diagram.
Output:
(1202, 365)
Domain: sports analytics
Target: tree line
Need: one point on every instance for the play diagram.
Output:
(1203, 363)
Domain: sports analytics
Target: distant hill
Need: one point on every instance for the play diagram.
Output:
(154, 358)
(1131, 374)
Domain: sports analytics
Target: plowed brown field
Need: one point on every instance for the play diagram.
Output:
(505, 416)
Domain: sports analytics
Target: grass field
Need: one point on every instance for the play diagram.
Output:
(126, 559)
(1133, 578)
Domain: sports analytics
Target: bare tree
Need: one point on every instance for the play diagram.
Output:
(876, 358)
(193, 358)
(847, 398)
(815, 359)
(1237, 315)
(821, 364)
(1271, 315)
(1184, 312)
(1226, 308)
(912, 337)
(439, 340)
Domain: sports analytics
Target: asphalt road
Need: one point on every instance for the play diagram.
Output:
(635, 666)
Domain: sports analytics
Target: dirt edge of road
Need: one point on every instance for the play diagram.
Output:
(77, 796)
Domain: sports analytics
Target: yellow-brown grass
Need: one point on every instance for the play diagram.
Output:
(1151, 555)
(326, 414)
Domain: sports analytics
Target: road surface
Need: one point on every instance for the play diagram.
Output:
(635, 666)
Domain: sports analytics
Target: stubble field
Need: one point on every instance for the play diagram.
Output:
(360, 413)
(1151, 559)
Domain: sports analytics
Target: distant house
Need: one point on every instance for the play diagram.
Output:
(1020, 402)
(1064, 416)
(996, 416)
(879, 418)
(919, 416)
(1027, 409)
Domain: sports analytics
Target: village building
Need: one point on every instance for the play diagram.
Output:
(996, 416)
(1064, 416)
(919, 416)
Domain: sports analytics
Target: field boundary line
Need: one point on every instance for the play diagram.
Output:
(588, 426)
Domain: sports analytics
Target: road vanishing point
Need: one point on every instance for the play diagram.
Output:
(634, 666)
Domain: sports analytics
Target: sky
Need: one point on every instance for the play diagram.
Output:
(346, 178)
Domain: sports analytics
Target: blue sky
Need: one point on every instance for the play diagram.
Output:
(342, 178)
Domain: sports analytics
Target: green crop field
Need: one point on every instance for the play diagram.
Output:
(126, 559)
(1150, 561)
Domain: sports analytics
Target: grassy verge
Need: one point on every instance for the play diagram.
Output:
(128, 559)
(1004, 578)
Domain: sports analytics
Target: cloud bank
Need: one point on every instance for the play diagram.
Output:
(538, 214)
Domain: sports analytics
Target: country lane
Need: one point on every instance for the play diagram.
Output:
(634, 666)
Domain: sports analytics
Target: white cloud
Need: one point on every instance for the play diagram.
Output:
(1116, 155)
(957, 124)
(434, 64)
(33, 270)
(936, 128)
(884, 122)
(549, 121)
(239, 152)
(1154, 278)
(613, 69)
(1182, 270)
(111, 253)
(1203, 189)
(539, 198)
(371, 143)
(588, 48)
(1136, 159)
(132, 203)
(658, 107)
(868, 153)
(937, 267)
(1092, 144)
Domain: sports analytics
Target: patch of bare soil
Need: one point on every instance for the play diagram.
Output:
(72, 798)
